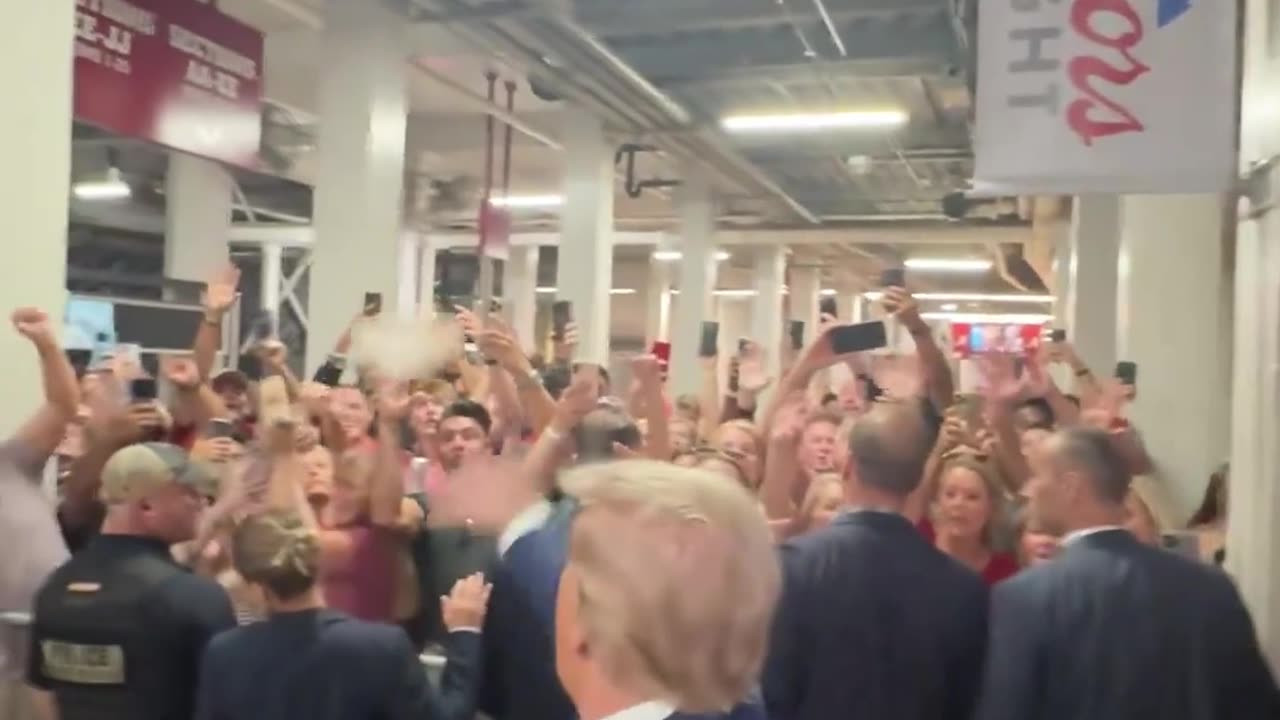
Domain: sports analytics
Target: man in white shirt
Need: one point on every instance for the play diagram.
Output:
(1113, 628)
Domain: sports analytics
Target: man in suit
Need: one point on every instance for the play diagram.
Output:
(1114, 629)
(874, 622)
(650, 589)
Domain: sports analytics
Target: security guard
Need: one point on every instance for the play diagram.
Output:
(119, 629)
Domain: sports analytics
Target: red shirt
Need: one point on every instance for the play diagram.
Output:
(1001, 566)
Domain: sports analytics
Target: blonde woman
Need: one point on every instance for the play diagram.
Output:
(307, 661)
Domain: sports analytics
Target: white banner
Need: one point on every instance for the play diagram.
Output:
(1105, 96)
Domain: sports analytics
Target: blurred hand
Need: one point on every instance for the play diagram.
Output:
(564, 349)
(1105, 409)
(273, 353)
(646, 370)
(999, 380)
(789, 421)
(128, 425)
(305, 437)
(577, 400)
(1036, 380)
(902, 305)
(752, 377)
(898, 376)
(392, 402)
(181, 371)
(217, 450)
(465, 606)
(314, 397)
(501, 347)
(467, 320)
(33, 324)
(220, 290)
(955, 431)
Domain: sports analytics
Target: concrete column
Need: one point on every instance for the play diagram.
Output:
(697, 279)
(804, 288)
(197, 217)
(1167, 319)
(657, 302)
(269, 282)
(363, 109)
(857, 308)
(768, 275)
(520, 290)
(426, 274)
(1088, 299)
(1253, 533)
(35, 140)
(734, 316)
(584, 273)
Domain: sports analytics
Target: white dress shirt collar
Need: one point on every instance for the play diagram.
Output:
(652, 710)
(525, 522)
(1076, 535)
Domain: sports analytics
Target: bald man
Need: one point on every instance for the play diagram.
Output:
(874, 622)
(1114, 629)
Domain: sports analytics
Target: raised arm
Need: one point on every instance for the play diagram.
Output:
(43, 431)
(935, 371)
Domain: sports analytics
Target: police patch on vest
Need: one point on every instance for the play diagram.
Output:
(83, 664)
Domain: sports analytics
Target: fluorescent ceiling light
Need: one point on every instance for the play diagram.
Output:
(814, 121)
(674, 255)
(112, 188)
(612, 291)
(973, 297)
(950, 307)
(993, 318)
(728, 293)
(949, 264)
(527, 201)
(828, 292)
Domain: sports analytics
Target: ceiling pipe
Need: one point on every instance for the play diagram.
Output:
(481, 104)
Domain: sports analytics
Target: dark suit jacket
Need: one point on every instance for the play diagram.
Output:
(1114, 630)
(520, 673)
(874, 624)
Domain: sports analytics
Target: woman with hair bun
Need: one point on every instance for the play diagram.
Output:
(308, 661)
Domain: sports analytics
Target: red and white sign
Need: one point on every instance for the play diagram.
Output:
(1105, 96)
(968, 339)
(174, 72)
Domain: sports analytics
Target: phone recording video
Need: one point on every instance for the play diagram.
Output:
(1127, 372)
(561, 316)
(827, 306)
(797, 334)
(709, 347)
(142, 390)
(893, 277)
(221, 428)
(372, 304)
(858, 338)
(1058, 335)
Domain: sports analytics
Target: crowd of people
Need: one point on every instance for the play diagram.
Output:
(849, 539)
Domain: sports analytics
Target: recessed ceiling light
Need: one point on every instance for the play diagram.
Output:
(527, 201)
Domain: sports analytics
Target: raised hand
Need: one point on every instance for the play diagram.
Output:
(580, 398)
(465, 606)
(1000, 381)
(564, 348)
(181, 371)
(902, 305)
(392, 402)
(646, 370)
(274, 354)
(33, 324)
(220, 290)
(752, 376)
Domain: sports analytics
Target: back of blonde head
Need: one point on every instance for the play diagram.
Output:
(679, 580)
(276, 550)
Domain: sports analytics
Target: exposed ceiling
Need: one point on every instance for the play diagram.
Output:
(662, 73)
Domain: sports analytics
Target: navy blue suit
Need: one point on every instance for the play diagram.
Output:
(874, 624)
(1113, 629)
(521, 681)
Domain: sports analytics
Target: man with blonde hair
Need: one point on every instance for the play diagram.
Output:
(666, 595)
(657, 582)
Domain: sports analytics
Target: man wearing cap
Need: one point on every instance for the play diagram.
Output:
(119, 629)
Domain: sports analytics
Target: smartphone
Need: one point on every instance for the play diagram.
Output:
(1058, 335)
(329, 374)
(1184, 543)
(797, 334)
(221, 428)
(561, 316)
(710, 339)
(1127, 372)
(372, 303)
(471, 352)
(893, 277)
(827, 306)
(858, 338)
(743, 344)
(142, 390)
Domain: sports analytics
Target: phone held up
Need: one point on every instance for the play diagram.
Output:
(561, 316)
(372, 304)
(709, 347)
(862, 337)
(893, 277)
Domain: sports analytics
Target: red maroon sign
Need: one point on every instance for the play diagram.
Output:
(174, 72)
(495, 231)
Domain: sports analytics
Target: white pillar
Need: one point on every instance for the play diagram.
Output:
(408, 285)
(769, 274)
(1253, 533)
(426, 274)
(35, 140)
(697, 279)
(657, 302)
(520, 291)
(1168, 318)
(857, 308)
(271, 277)
(361, 145)
(805, 285)
(1088, 297)
(197, 217)
(584, 272)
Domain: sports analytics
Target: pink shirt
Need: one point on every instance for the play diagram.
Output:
(364, 586)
